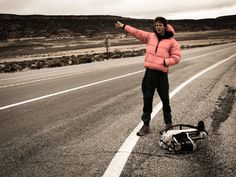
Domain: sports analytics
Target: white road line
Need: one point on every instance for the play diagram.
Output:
(36, 74)
(17, 77)
(69, 90)
(39, 80)
(76, 88)
(119, 160)
(203, 55)
(46, 79)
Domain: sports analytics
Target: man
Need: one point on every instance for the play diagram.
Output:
(162, 51)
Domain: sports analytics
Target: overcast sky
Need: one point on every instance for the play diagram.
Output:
(171, 9)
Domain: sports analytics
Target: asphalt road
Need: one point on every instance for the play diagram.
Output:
(71, 121)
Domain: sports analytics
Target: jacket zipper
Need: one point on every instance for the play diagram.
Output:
(157, 47)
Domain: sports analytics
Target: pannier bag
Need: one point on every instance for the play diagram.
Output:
(182, 137)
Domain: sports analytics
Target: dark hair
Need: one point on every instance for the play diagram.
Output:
(161, 20)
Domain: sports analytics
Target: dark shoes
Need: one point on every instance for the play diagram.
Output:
(143, 131)
(168, 125)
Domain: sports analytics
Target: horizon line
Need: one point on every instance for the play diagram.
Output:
(111, 16)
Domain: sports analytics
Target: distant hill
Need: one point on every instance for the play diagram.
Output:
(24, 26)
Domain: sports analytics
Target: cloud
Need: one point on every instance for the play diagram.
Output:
(141, 8)
(127, 8)
(12, 5)
(205, 13)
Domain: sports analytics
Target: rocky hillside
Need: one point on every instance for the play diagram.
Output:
(24, 26)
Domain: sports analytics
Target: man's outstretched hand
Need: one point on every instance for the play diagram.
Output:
(119, 25)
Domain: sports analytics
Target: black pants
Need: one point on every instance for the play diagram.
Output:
(152, 80)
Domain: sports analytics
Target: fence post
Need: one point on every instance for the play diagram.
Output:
(107, 45)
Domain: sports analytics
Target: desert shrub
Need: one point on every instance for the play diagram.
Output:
(85, 59)
(54, 63)
(116, 55)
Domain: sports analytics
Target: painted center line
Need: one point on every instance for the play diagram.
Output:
(69, 90)
(84, 86)
(49, 78)
(119, 160)
(77, 73)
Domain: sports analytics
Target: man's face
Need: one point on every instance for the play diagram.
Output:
(159, 28)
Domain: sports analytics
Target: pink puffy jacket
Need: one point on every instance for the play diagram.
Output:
(156, 52)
